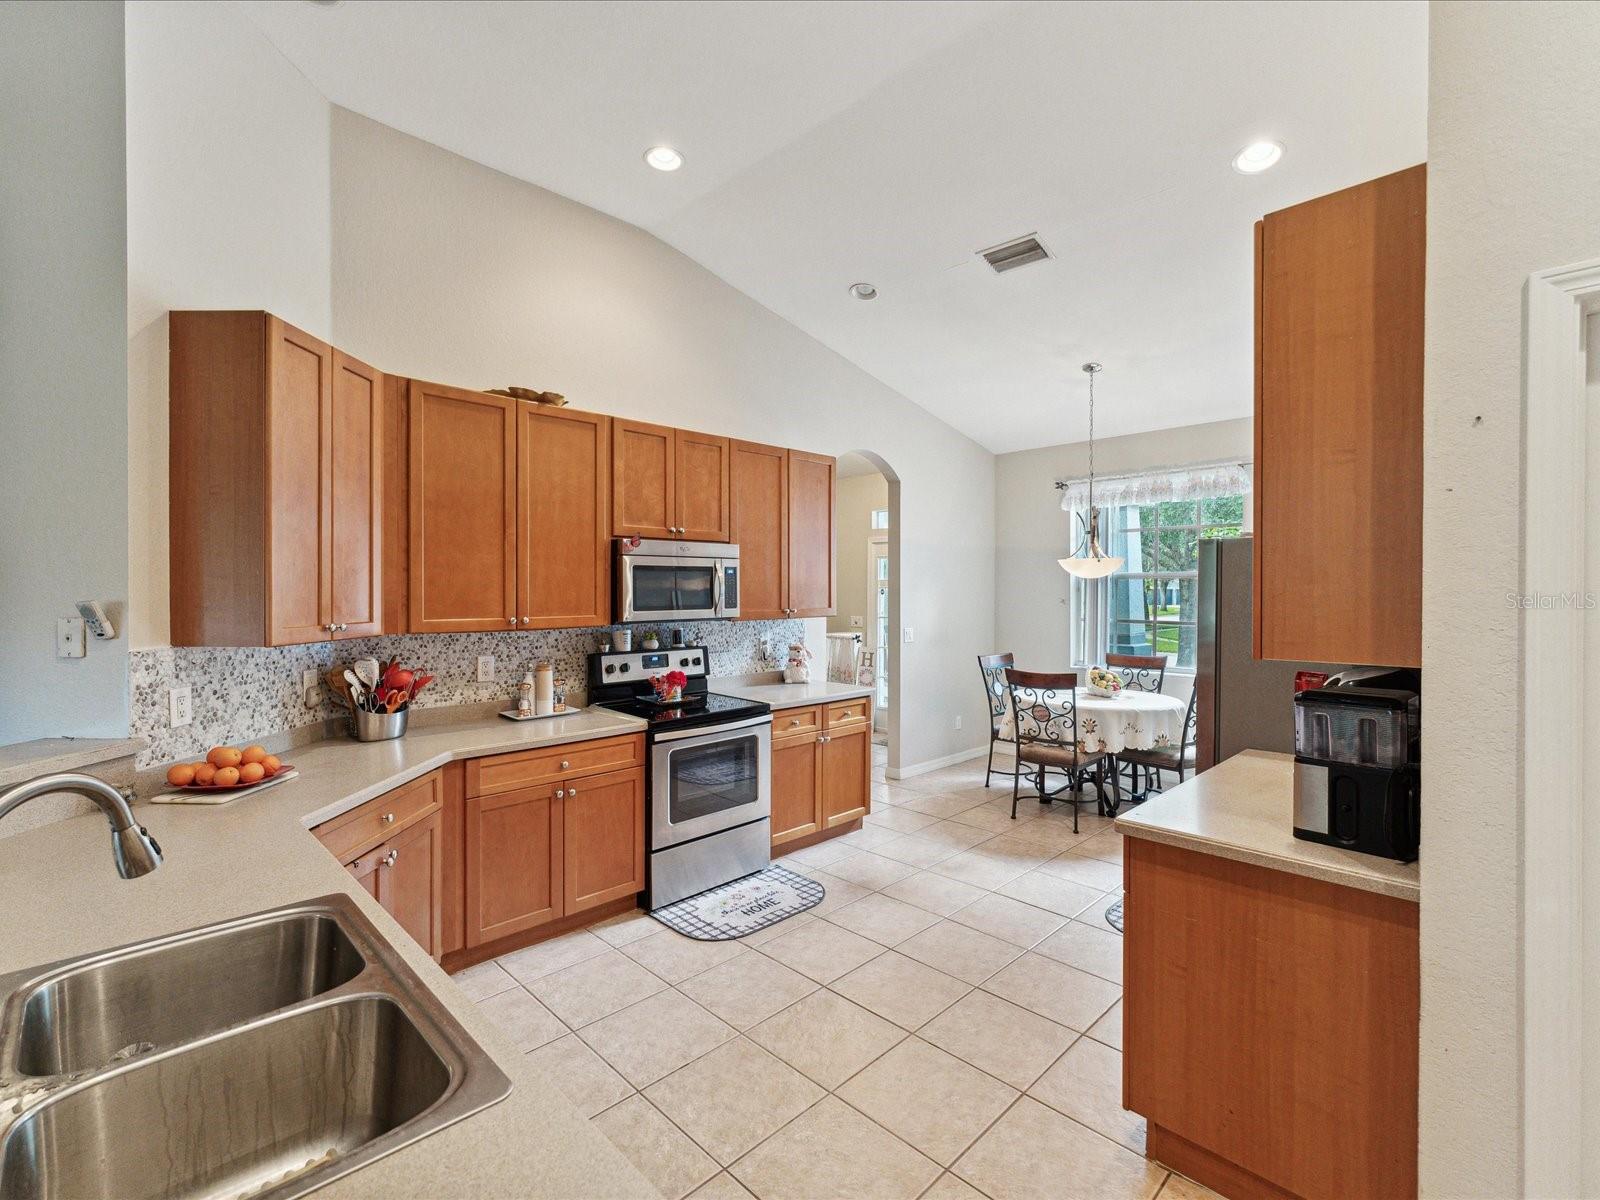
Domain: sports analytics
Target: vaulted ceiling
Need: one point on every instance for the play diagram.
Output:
(833, 141)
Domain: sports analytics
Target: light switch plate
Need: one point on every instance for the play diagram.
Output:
(70, 641)
(907, 634)
(485, 668)
(857, 621)
(180, 706)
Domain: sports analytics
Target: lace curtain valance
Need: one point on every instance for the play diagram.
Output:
(1187, 483)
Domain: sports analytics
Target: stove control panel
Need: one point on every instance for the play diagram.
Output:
(623, 666)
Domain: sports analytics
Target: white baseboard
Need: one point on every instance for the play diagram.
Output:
(934, 764)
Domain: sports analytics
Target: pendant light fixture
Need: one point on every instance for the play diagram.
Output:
(1089, 561)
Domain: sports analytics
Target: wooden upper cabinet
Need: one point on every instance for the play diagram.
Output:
(563, 517)
(643, 468)
(1338, 425)
(810, 502)
(276, 453)
(758, 522)
(355, 517)
(463, 509)
(700, 487)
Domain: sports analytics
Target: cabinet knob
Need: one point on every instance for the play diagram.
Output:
(511, 620)
(572, 793)
(565, 764)
(389, 858)
(387, 818)
(561, 793)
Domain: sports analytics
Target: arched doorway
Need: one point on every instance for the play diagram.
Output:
(867, 605)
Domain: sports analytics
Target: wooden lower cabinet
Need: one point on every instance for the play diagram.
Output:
(514, 862)
(410, 881)
(821, 769)
(603, 839)
(1270, 1027)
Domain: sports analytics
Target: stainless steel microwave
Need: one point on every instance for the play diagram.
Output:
(660, 580)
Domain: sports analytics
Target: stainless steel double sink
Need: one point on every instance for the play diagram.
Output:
(258, 1057)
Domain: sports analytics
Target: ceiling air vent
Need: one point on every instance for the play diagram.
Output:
(1018, 252)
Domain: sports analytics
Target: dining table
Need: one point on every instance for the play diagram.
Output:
(1129, 720)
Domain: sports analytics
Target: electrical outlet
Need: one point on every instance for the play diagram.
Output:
(180, 706)
(69, 638)
(485, 668)
(857, 621)
(310, 687)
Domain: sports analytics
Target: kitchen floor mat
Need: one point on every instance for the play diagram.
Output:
(732, 910)
(1114, 916)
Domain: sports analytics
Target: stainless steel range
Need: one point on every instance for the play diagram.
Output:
(708, 774)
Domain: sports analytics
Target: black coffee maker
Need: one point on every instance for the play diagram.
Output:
(1357, 763)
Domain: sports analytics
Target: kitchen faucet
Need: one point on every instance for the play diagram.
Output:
(135, 850)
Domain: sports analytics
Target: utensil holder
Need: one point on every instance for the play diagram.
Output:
(378, 727)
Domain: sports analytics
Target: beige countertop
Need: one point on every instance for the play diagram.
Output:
(44, 756)
(790, 695)
(60, 897)
(1243, 809)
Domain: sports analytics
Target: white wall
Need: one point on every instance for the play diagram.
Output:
(446, 270)
(227, 208)
(1032, 531)
(1513, 187)
(858, 496)
(63, 376)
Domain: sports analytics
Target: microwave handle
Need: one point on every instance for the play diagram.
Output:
(717, 589)
(625, 579)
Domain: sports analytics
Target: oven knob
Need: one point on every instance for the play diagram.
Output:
(683, 662)
(625, 668)
(611, 668)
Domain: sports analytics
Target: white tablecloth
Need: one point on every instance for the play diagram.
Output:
(1131, 721)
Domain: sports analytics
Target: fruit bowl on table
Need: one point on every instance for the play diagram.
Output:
(1103, 683)
(228, 769)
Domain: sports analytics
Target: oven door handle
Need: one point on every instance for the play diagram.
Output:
(711, 734)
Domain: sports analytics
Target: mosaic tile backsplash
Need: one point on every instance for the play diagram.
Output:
(242, 693)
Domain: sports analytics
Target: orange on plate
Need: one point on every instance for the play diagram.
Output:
(180, 774)
(226, 776)
(224, 756)
(205, 774)
(252, 772)
(271, 763)
(253, 754)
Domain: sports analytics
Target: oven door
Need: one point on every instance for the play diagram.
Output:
(707, 780)
(652, 588)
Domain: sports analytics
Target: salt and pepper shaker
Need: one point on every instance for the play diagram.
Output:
(525, 695)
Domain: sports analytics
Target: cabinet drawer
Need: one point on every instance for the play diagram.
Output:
(788, 722)
(507, 772)
(850, 712)
(348, 835)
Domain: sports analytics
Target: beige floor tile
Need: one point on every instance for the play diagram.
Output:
(940, 804)
(819, 855)
(839, 893)
(959, 950)
(747, 990)
(722, 1187)
(1034, 1153)
(992, 818)
(482, 981)
(1064, 994)
(931, 1100)
(882, 918)
(914, 851)
(787, 925)
(935, 893)
(537, 960)
(675, 957)
(581, 1074)
(594, 988)
(1106, 846)
(949, 1187)
(826, 1037)
(871, 871)
(1012, 849)
(899, 820)
(655, 1037)
(1009, 920)
(1095, 914)
(521, 1018)
(979, 870)
(1097, 951)
(905, 991)
(626, 927)
(1010, 1043)
(1108, 1029)
(954, 834)
(732, 1098)
(822, 951)
(832, 1151)
(662, 1152)
(1093, 873)
(1050, 833)
(1047, 891)
(892, 793)
(867, 837)
(1086, 1085)
(1179, 1188)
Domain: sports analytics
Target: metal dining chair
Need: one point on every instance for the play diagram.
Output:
(993, 667)
(1179, 758)
(1139, 672)
(1046, 708)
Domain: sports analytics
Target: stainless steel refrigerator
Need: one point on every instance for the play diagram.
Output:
(1242, 702)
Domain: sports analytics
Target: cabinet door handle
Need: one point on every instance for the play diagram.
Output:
(793, 721)
(824, 738)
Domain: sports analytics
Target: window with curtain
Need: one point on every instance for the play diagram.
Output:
(1154, 523)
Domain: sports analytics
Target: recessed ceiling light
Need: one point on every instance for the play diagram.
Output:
(663, 158)
(1257, 157)
(863, 291)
